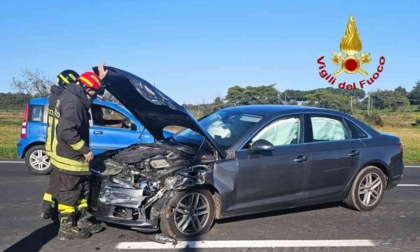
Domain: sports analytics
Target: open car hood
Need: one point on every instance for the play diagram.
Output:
(150, 106)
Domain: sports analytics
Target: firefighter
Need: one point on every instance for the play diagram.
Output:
(71, 154)
(48, 208)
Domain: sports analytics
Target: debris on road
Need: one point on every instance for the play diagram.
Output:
(163, 239)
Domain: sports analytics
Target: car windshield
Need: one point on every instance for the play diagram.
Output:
(225, 127)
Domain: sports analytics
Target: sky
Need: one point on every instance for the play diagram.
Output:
(193, 51)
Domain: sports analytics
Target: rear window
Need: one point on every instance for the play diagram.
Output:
(36, 113)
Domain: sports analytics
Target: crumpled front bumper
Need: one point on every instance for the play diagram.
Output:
(119, 205)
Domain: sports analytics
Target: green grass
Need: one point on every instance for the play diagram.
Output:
(10, 122)
(8, 152)
(410, 138)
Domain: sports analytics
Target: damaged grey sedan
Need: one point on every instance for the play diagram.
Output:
(235, 161)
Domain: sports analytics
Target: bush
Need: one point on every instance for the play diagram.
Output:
(373, 119)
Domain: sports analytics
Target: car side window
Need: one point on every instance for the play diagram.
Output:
(328, 129)
(283, 131)
(107, 117)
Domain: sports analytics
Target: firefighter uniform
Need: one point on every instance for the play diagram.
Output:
(49, 206)
(69, 144)
(71, 140)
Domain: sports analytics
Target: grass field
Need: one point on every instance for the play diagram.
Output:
(410, 138)
(397, 124)
(10, 122)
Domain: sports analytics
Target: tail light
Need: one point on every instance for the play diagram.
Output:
(23, 130)
(401, 147)
(25, 119)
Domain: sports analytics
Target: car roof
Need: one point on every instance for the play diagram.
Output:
(267, 110)
(38, 101)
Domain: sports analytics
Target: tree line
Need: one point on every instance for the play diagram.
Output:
(332, 98)
(35, 84)
(14, 101)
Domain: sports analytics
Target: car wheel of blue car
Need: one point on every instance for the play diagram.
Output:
(37, 161)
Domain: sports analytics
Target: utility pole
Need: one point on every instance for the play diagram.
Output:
(351, 104)
(368, 106)
(371, 106)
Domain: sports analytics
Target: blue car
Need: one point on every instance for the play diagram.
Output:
(111, 127)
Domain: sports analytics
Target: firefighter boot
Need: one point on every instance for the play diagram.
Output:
(68, 230)
(50, 212)
(84, 223)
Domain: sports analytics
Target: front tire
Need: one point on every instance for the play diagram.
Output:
(367, 190)
(37, 161)
(188, 214)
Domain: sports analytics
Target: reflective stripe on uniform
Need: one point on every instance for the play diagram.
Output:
(47, 197)
(65, 208)
(77, 146)
(82, 203)
(69, 161)
(48, 144)
(69, 164)
(54, 138)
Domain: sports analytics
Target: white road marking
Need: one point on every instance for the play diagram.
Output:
(412, 166)
(12, 162)
(407, 185)
(247, 244)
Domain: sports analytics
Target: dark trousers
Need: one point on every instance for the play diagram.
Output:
(73, 191)
(49, 199)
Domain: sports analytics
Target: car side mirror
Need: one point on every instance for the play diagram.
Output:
(133, 126)
(262, 145)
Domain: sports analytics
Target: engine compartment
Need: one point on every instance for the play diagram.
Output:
(135, 178)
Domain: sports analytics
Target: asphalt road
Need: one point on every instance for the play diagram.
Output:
(393, 226)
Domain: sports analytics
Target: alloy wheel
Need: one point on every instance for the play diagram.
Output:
(370, 189)
(39, 160)
(192, 213)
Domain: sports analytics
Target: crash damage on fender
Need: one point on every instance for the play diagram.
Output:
(130, 186)
(135, 183)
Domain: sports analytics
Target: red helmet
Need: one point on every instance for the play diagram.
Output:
(90, 80)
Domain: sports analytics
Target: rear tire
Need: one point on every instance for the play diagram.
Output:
(188, 214)
(37, 161)
(367, 190)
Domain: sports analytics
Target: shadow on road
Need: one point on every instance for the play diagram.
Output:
(35, 240)
(281, 212)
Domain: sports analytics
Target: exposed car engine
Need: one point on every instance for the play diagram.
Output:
(138, 176)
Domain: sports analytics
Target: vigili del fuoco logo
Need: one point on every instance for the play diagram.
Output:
(350, 62)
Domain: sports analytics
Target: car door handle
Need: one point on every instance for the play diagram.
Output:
(300, 159)
(97, 132)
(354, 153)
